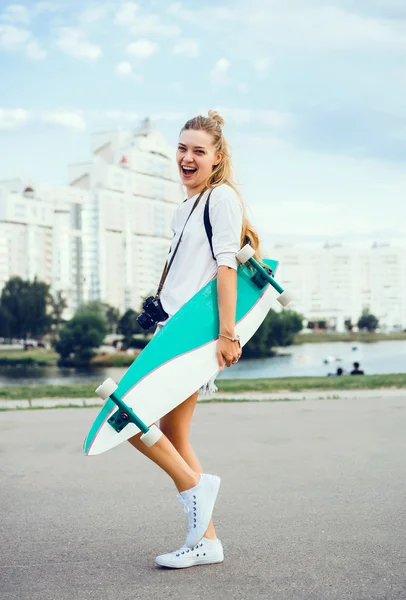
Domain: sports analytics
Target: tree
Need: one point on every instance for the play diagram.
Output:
(128, 326)
(348, 324)
(58, 304)
(5, 323)
(278, 329)
(367, 321)
(79, 337)
(112, 317)
(26, 305)
(283, 326)
(110, 313)
(94, 306)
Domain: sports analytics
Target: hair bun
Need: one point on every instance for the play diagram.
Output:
(216, 117)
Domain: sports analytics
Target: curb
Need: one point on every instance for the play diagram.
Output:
(217, 397)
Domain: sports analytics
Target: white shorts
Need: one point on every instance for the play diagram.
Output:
(207, 388)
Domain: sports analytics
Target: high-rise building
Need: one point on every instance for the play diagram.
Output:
(336, 283)
(106, 235)
(35, 225)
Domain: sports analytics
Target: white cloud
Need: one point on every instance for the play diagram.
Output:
(243, 116)
(175, 8)
(261, 65)
(210, 18)
(35, 51)
(16, 38)
(170, 117)
(41, 7)
(10, 118)
(220, 70)
(315, 26)
(72, 42)
(151, 24)
(93, 14)
(188, 47)
(142, 48)
(220, 12)
(348, 191)
(13, 38)
(124, 69)
(273, 118)
(16, 13)
(243, 88)
(116, 115)
(141, 23)
(126, 14)
(240, 116)
(72, 119)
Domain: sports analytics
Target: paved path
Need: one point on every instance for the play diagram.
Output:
(257, 396)
(312, 506)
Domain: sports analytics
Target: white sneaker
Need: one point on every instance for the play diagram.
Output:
(206, 552)
(199, 503)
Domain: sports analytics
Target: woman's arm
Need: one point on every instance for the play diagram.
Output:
(227, 351)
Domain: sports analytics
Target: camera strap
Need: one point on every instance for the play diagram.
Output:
(168, 265)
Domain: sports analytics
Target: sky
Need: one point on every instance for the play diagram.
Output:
(313, 94)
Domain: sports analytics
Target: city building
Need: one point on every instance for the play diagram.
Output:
(336, 283)
(35, 226)
(106, 235)
(134, 183)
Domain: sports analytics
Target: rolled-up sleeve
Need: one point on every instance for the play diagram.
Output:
(226, 221)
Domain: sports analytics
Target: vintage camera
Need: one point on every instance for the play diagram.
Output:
(152, 313)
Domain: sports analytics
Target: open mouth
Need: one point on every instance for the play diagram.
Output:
(188, 171)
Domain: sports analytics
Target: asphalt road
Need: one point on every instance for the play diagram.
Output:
(312, 506)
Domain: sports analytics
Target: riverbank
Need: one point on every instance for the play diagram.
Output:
(236, 386)
(367, 338)
(49, 358)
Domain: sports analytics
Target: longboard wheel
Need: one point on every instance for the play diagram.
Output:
(107, 388)
(285, 298)
(245, 254)
(152, 436)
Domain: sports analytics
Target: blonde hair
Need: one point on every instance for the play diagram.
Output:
(223, 173)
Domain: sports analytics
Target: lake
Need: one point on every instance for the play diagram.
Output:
(303, 360)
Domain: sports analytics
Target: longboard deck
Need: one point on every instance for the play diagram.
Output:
(180, 358)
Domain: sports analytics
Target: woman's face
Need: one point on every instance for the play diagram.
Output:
(196, 157)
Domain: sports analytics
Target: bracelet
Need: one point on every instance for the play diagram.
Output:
(236, 339)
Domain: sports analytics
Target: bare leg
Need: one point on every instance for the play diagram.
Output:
(168, 458)
(176, 426)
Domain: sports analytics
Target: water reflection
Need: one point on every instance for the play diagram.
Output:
(295, 361)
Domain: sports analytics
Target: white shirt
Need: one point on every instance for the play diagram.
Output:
(193, 266)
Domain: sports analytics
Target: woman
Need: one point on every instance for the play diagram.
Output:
(205, 168)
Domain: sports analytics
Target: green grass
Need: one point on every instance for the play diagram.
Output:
(50, 358)
(28, 357)
(290, 384)
(301, 384)
(28, 392)
(368, 338)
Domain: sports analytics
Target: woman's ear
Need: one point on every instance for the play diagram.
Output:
(218, 158)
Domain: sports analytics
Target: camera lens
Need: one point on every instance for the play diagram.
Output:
(145, 321)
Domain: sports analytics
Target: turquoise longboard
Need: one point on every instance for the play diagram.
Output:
(180, 358)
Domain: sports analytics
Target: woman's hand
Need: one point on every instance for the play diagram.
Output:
(227, 352)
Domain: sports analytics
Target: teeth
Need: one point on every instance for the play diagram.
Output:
(188, 169)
